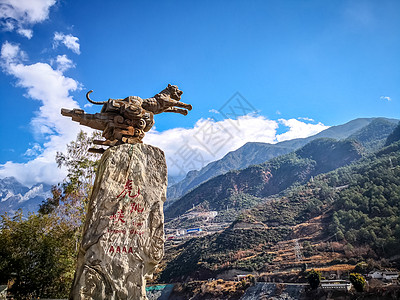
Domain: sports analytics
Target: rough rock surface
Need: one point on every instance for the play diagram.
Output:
(123, 237)
(274, 291)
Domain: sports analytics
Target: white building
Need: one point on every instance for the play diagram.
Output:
(385, 275)
(336, 285)
(390, 276)
(375, 274)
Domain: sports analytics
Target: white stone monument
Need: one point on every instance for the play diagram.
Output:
(123, 237)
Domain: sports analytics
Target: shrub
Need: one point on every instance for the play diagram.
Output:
(314, 279)
(358, 281)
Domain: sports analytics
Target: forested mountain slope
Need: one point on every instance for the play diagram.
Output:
(368, 131)
(358, 205)
(242, 189)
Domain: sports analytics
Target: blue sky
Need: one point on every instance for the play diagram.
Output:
(302, 65)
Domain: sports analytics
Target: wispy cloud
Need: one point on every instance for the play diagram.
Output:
(69, 41)
(185, 148)
(28, 33)
(11, 54)
(35, 150)
(385, 98)
(64, 63)
(214, 111)
(306, 119)
(192, 148)
(20, 15)
(298, 129)
(52, 89)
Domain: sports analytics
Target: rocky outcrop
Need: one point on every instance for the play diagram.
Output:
(275, 291)
(123, 238)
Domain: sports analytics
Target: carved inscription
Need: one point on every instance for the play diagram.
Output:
(128, 224)
(123, 238)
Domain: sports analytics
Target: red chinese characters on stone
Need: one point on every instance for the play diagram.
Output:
(120, 249)
(128, 190)
(118, 217)
(122, 219)
(136, 207)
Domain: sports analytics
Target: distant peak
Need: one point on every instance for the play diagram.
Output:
(10, 180)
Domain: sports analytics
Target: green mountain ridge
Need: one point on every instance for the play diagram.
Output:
(374, 135)
(394, 136)
(238, 189)
(253, 153)
(358, 205)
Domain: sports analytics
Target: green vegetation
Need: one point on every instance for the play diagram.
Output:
(374, 135)
(394, 136)
(81, 166)
(358, 281)
(361, 202)
(243, 189)
(37, 255)
(243, 249)
(362, 267)
(314, 279)
(364, 199)
(255, 263)
(308, 249)
(371, 133)
(368, 210)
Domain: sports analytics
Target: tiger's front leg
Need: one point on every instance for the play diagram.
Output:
(177, 110)
(171, 103)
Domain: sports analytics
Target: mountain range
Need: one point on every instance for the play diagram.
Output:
(242, 189)
(294, 218)
(14, 196)
(370, 132)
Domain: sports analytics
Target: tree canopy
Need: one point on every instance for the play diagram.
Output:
(39, 253)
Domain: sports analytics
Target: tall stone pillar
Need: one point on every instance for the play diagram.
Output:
(123, 238)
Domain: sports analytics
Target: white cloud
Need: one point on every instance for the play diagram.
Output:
(11, 53)
(20, 14)
(34, 151)
(386, 98)
(306, 119)
(214, 111)
(64, 63)
(7, 25)
(70, 41)
(52, 89)
(209, 140)
(190, 148)
(28, 33)
(298, 129)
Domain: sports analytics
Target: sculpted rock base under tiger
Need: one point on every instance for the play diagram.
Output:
(123, 239)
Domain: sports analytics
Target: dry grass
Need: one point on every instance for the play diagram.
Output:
(341, 267)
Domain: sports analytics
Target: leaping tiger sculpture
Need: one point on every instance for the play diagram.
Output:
(127, 120)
